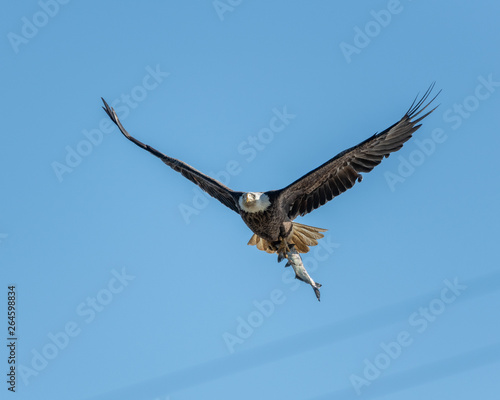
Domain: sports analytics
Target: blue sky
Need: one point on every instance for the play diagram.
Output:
(132, 285)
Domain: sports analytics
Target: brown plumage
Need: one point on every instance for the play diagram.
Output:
(270, 214)
(342, 171)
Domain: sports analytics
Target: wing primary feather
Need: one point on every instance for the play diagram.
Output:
(343, 171)
(213, 187)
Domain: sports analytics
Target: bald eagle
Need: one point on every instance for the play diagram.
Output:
(270, 214)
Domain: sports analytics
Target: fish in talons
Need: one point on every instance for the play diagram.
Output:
(295, 261)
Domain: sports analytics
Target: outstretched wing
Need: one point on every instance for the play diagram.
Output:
(213, 187)
(342, 171)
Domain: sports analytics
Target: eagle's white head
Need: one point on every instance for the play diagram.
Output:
(253, 202)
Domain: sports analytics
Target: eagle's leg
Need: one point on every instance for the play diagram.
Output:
(281, 247)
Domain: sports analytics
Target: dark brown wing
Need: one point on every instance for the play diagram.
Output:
(213, 187)
(342, 171)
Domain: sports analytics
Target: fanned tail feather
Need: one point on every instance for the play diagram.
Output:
(302, 236)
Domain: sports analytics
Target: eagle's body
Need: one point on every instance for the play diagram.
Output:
(263, 216)
(273, 229)
(270, 215)
(267, 221)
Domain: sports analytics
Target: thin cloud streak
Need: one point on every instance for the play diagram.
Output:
(286, 347)
(422, 374)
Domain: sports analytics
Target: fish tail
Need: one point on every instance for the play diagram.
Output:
(316, 287)
(316, 291)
